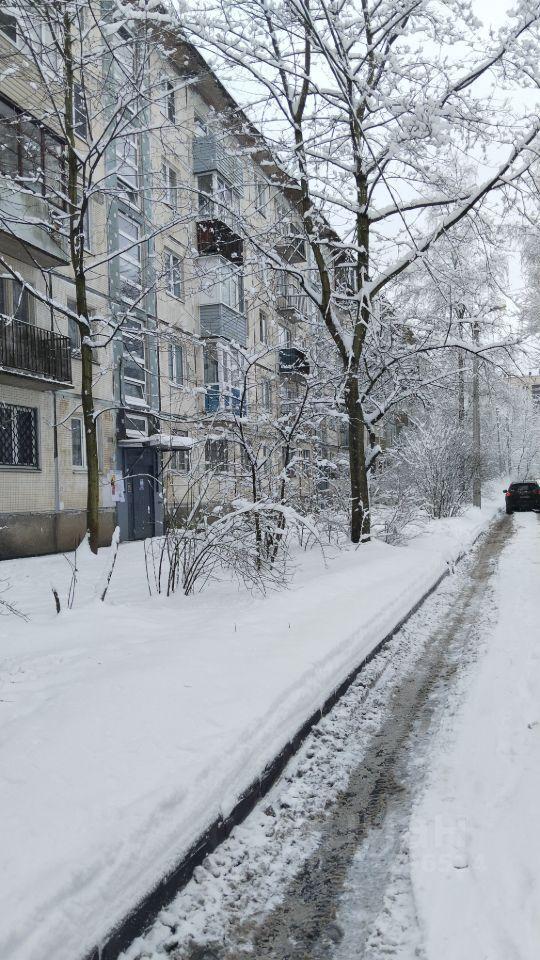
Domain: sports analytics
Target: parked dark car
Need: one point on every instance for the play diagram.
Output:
(522, 496)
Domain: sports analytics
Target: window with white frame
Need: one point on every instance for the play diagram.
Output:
(176, 363)
(200, 128)
(18, 436)
(80, 115)
(266, 394)
(174, 269)
(170, 185)
(127, 164)
(217, 198)
(16, 302)
(124, 55)
(263, 326)
(129, 260)
(133, 364)
(169, 100)
(221, 282)
(74, 335)
(261, 195)
(179, 460)
(78, 446)
(284, 336)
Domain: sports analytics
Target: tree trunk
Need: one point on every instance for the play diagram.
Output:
(92, 462)
(360, 517)
(77, 210)
(477, 459)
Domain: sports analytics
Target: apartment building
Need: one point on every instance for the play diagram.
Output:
(192, 322)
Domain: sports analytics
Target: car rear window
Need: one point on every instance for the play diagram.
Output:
(523, 487)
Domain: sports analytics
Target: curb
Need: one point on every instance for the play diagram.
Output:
(146, 911)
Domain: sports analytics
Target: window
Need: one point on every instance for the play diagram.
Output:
(136, 427)
(170, 183)
(175, 274)
(74, 335)
(124, 55)
(176, 363)
(80, 117)
(232, 287)
(18, 436)
(8, 25)
(536, 393)
(216, 196)
(261, 196)
(169, 101)
(127, 164)
(134, 375)
(205, 184)
(199, 126)
(284, 336)
(78, 446)
(210, 366)
(263, 326)
(179, 460)
(266, 394)
(217, 455)
(129, 261)
(16, 301)
(29, 152)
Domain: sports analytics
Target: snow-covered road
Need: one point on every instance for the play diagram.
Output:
(407, 825)
(127, 727)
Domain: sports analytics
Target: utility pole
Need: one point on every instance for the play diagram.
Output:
(477, 455)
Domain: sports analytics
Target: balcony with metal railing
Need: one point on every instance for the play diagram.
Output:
(293, 360)
(292, 306)
(216, 236)
(41, 357)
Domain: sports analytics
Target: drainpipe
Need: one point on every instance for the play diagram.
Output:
(55, 432)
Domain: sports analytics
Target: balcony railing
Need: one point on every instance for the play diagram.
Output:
(215, 236)
(293, 360)
(291, 249)
(35, 353)
(292, 306)
(216, 399)
(220, 320)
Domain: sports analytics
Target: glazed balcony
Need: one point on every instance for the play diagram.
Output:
(27, 231)
(211, 153)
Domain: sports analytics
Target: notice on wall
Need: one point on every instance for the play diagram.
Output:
(113, 488)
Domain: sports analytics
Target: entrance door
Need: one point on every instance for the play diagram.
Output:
(140, 478)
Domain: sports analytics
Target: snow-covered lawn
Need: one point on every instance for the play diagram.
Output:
(475, 837)
(129, 725)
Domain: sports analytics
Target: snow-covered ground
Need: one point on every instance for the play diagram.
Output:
(128, 726)
(475, 835)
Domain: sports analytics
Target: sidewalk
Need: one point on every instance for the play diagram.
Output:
(127, 727)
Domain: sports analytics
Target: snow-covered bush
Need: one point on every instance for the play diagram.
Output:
(435, 465)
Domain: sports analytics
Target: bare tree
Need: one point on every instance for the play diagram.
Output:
(365, 107)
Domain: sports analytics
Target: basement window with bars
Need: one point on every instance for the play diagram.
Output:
(18, 436)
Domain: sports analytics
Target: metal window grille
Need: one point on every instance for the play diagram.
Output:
(18, 436)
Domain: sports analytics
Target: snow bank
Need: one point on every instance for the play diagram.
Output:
(475, 839)
(129, 726)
